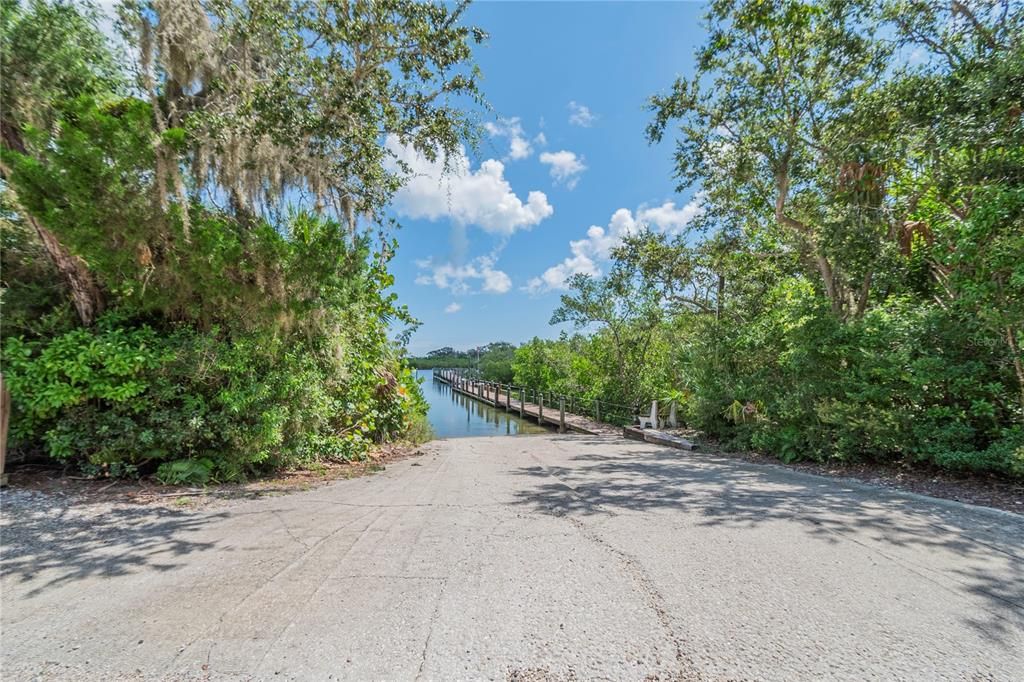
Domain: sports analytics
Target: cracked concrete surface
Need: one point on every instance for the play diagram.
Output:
(531, 558)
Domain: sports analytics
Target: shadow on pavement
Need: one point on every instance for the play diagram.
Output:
(729, 493)
(67, 541)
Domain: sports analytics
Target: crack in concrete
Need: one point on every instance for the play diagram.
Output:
(430, 633)
(686, 670)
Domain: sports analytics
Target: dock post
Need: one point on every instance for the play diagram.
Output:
(561, 414)
(497, 394)
(540, 409)
(522, 399)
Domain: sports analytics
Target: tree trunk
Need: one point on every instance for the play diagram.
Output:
(718, 296)
(862, 298)
(1018, 366)
(85, 294)
(828, 278)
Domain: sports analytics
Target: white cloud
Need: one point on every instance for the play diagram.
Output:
(481, 197)
(565, 166)
(511, 128)
(588, 254)
(580, 115)
(541, 139)
(456, 278)
(669, 219)
(453, 307)
(496, 281)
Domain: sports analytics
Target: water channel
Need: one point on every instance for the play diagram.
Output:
(453, 415)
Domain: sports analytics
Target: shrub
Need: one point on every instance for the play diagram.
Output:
(907, 382)
(199, 406)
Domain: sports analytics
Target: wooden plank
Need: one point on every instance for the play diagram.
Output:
(662, 438)
(633, 432)
(5, 419)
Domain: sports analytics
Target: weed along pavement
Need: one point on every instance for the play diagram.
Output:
(532, 558)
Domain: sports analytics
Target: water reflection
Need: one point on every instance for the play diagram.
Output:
(453, 415)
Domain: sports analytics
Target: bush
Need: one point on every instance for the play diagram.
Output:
(908, 382)
(198, 406)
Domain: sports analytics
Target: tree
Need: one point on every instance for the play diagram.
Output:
(626, 310)
(254, 106)
(226, 205)
(959, 120)
(52, 53)
(760, 129)
(271, 100)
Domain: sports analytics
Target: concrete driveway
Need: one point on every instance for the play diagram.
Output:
(530, 558)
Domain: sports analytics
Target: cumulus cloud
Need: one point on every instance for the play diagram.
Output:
(565, 166)
(457, 278)
(588, 254)
(481, 197)
(541, 139)
(512, 129)
(669, 219)
(453, 307)
(580, 115)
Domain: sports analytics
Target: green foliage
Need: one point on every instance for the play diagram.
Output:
(419, 429)
(186, 472)
(910, 381)
(211, 209)
(853, 287)
(38, 305)
(124, 394)
(267, 100)
(53, 51)
(494, 361)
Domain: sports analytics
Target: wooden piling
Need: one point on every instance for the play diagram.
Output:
(5, 418)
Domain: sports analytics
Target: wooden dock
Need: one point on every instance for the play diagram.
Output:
(498, 396)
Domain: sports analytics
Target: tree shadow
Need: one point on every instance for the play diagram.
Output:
(908, 530)
(62, 541)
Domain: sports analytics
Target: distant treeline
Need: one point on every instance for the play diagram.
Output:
(494, 360)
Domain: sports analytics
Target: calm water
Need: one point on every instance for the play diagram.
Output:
(453, 415)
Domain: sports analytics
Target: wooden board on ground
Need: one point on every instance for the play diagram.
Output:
(662, 438)
(657, 437)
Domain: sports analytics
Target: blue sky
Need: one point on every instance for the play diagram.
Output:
(562, 172)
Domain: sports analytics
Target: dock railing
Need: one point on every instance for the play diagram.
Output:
(603, 411)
